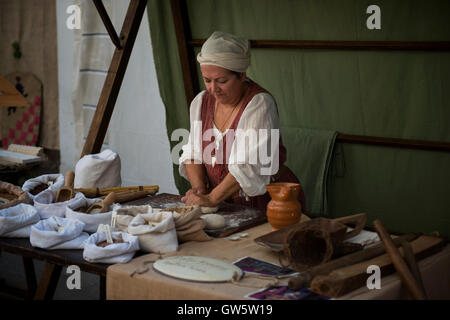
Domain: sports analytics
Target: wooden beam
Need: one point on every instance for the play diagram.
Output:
(30, 277)
(344, 45)
(186, 52)
(113, 81)
(107, 22)
(394, 142)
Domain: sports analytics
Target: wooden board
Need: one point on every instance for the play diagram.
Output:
(238, 217)
(16, 157)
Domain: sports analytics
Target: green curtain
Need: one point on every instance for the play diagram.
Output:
(376, 93)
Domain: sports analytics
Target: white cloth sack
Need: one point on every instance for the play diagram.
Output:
(57, 179)
(113, 253)
(100, 170)
(91, 220)
(160, 237)
(46, 208)
(45, 234)
(23, 232)
(13, 219)
(125, 214)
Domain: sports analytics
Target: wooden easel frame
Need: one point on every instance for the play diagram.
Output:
(124, 45)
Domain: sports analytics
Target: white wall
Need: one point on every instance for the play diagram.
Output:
(67, 136)
(137, 130)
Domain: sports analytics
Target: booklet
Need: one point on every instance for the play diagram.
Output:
(284, 293)
(252, 265)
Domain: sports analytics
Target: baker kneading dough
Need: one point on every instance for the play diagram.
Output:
(214, 221)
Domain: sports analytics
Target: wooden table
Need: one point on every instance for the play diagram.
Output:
(124, 284)
(55, 260)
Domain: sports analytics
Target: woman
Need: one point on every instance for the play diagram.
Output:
(214, 161)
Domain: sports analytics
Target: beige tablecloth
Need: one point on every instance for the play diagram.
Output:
(153, 285)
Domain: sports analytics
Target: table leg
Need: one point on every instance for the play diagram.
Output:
(102, 288)
(30, 276)
(48, 282)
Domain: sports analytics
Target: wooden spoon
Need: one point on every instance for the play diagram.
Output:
(102, 206)
(66, 192)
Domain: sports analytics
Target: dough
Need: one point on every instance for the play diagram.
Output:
(214, 221)
(209, 209)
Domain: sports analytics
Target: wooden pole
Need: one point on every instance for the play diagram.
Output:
(185, 51)
(344, 45)
(113, 81)
(107, 22)
(303, 280)
(399, 264)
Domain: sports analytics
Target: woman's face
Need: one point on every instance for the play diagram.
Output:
(223, 84)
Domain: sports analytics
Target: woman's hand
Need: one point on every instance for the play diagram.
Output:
(195, 198)
(193, 191)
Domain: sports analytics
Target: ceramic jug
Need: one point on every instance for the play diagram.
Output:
(284, 209)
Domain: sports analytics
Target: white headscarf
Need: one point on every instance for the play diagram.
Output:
(225, 50)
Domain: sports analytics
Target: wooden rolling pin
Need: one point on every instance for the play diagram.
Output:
(96, 192)
(121, 197)
(303, 280)
(399, 264)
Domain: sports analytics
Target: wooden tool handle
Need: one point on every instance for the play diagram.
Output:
(398, 262)
(360, 220)
(108, 201)
(70, 177)
(131, 195)
(95, 192)
(411, 261)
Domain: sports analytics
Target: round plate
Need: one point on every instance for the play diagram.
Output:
(200, 269)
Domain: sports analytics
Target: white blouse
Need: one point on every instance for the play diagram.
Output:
(252, 175)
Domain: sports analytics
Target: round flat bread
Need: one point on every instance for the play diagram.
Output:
(200, 269)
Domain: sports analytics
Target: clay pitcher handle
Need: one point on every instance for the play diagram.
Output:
(284, 193)
(360, 220)
(70, 177)
(108, 201)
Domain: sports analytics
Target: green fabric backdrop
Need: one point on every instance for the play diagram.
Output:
(384, 93)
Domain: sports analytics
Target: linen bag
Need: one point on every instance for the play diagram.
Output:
(100, 170)
(113, 253)
(46, 208)
(15, 222)
(91, 220)
(58, 233)
(56, 180)
(156, 232)
(189, 225)
(126, 213)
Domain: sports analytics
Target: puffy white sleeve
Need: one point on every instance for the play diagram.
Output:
(252, 161)
(193, 149)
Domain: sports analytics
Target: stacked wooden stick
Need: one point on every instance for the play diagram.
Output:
(342, 275)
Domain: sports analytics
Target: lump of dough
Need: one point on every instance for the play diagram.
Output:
(214, 221)
(209, 209)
